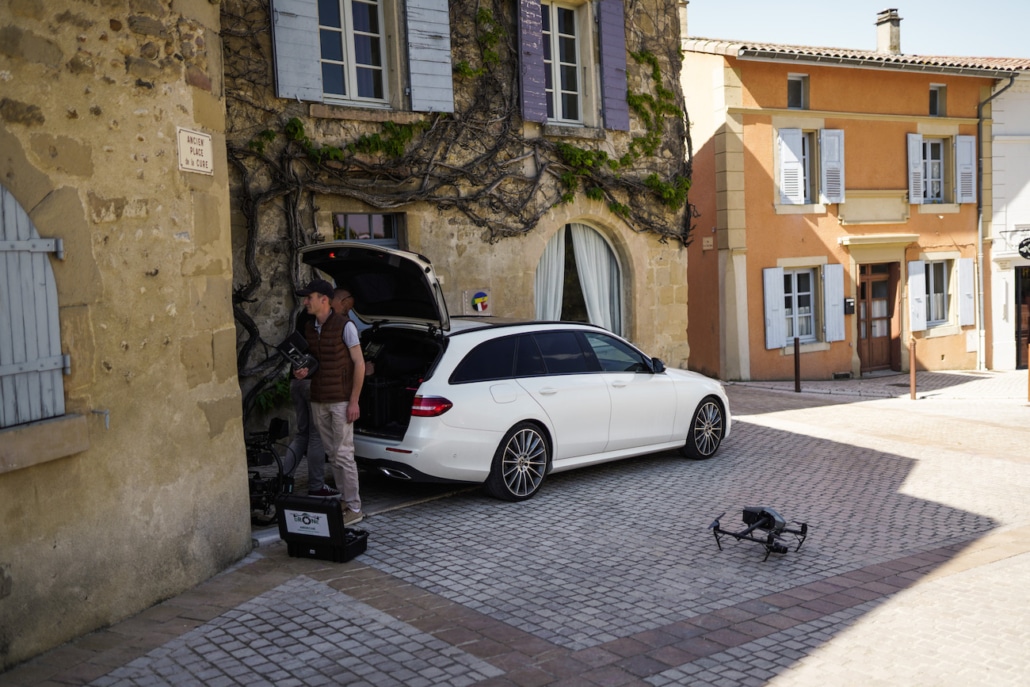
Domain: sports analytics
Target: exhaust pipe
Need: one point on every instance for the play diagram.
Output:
(394, 474)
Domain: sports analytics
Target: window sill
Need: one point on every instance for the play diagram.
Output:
(939, 208)
(570, 131)
(813, 347)
(41, 442)
(362, 114)
(810, 209)
(934, 331)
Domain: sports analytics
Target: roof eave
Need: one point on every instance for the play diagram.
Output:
(865, 63)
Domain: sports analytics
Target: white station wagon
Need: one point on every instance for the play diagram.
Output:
(500, 403)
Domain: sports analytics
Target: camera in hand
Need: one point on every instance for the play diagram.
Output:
(295, 349)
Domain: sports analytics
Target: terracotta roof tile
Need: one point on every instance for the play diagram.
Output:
(869, 58)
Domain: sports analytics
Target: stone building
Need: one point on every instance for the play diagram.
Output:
(491, 137)
(122, 469)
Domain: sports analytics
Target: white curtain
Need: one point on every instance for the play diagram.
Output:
(598, 277)
(550, 278)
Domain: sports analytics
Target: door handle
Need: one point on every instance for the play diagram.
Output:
(548, 391)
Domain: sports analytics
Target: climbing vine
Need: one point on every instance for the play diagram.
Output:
(477, 162)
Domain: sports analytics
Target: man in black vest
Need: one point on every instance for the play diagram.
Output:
(333, 341)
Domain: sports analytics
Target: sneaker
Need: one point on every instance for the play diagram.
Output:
(351, 518)
(326, 490)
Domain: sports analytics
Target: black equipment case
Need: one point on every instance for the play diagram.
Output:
(312, 527)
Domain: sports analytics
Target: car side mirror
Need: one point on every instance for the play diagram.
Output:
(658, 365)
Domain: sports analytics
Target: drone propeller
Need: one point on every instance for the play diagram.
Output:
(715, 523)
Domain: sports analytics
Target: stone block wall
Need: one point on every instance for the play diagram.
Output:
(140, 490)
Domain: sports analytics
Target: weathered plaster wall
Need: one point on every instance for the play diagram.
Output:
(91, 95)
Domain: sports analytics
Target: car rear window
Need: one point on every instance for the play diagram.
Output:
(492, 359)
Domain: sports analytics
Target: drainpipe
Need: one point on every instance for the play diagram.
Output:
(981, 363)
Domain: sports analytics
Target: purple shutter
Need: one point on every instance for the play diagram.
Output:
(533, 87)
(612, 34)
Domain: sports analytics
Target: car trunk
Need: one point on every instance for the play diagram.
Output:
(401, 358)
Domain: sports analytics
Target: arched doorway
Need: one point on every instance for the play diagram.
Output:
(579, 279)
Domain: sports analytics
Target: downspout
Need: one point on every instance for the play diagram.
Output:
(981, 329)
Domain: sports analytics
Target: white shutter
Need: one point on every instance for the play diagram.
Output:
(915, 170)
(31, 363)
(965, 169)
(966, 293)
(775, 324)
(792, 171)
(833, 301)
(297, 51)
(429, 56)
(917, 296)
(831, 157)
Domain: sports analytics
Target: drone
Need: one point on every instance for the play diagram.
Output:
(761, 519)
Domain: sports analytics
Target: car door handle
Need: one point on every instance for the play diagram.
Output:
(548, 391)
(619, 384)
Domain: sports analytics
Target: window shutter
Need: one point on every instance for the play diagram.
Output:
(965, 169)
(775, 325)
(792, 179)
(429, 56)
(298, 71)
(966, 305)
(915, 171)
(917, 296)
(611, 28)
(31, 363)
(833, 302)
(532, 86)
(831, 155)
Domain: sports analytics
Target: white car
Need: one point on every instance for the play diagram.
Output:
(500, 403)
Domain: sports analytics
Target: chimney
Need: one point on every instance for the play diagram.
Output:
(888, 32)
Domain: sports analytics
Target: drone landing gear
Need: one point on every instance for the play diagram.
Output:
(760, 520)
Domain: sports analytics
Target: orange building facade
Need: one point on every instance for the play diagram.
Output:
(840, 208)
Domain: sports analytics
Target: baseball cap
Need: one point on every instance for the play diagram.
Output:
(317, 286)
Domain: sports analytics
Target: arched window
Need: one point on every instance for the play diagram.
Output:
(578, 278)
(31, 363)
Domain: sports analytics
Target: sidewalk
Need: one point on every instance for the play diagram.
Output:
(1007, 385)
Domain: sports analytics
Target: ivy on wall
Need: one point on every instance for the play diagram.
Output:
(476, 162)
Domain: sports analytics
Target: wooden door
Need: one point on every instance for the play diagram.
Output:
(875, 311)
(1022, 315)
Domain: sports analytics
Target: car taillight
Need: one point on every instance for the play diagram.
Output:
(430, 406)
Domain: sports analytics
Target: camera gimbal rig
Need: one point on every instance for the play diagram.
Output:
(758, 518)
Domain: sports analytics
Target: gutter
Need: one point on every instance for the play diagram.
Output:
(981, 329)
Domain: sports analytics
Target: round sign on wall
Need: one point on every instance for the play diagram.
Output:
(1024, 248)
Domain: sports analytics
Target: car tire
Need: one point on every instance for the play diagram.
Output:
(706, 430)
(520, 464)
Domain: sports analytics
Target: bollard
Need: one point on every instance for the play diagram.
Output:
(797, 365)
(912, 368)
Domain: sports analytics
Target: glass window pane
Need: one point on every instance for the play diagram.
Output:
(567, 50)
(366, 51)
(332, 79)
(569, 82)
(365, 17)
(570, 106)
(489, 360)
(332, 48)
(370, 83)
(804, 282)
(528, 361)
(566, 21)
(562, 354)
(329, 13)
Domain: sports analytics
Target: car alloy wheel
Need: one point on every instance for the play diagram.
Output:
(519, 464)
(706, 430)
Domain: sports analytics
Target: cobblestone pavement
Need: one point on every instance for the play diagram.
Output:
(914, 572)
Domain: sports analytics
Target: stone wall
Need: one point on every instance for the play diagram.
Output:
(139, 491)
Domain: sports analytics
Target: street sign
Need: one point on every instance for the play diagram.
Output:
(1024, 248)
